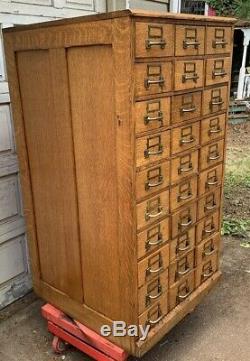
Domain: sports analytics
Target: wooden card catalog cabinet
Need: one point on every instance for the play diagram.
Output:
(120, 123)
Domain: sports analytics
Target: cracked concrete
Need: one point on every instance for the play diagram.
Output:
(218, 330)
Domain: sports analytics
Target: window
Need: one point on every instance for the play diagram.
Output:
(193, 7)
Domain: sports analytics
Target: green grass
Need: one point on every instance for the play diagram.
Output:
(237, 173)
(236, 227)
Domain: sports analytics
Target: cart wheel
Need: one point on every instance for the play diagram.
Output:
(59, 346)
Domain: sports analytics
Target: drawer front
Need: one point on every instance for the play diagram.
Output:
(153, 238)
(183, 219)
(208, 227)
(184, 166)
(213, 128)
(219, 40)
(153, 78)
(183, 192)
(155, 313)
(211, 154)
(210, 179)
(152, 209)
(206, 269)
(185, 137)
(209, 203)
(153, 114)
(153, 265)
(188, 74)
(152, 291)
(152, 148)
(180, 291)
(186, 107)
(207, 248)
(152, 179)
(214, 100)
(180, 268)
(154, 40)
(182, 244)
(217, 70)
(189, 40)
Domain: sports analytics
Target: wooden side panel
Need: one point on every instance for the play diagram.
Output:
(92, 99)
(45, 103)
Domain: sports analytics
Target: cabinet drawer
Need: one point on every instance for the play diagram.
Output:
(219, 40)
(152, 148)
(180, 291)
(214, 100)
(211, 154)
(183, 219)
(217, 70)
(186, 107)
(153, 78)
(185, 137)
(213, 128)
(155, 313)
(152, 209)
(184, 166)
(207, 248)
(152, 179)
(209, 179)
(153, 265)
(182, 244)
(209, 203)
(189, 40)
(208, 227)
(188, 74)
(153, 237)
(152, 291)
(154, 40)
(206, 269)
(183, 193)
(153, 114)
(180, 268)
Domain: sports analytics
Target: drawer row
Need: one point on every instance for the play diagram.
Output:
(164, 40)
(173, 281)
(162, 113)
(169, 143)
(162, 77)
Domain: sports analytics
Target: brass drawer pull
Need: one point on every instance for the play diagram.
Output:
(212, 131)
(156, 184)
(149, 82)
(212, 183)
(188, 110)
(184, 296)
(155, 321)
(187, 44)
(186, 224)
(181, 249)
(149, 43)
(150, 297)
(206, 275)
(153, 215)
(211, 230)
(186, 77)
(149, 270)
(220, 102)
(209, 253)
(148, 119)
(184, 198)
(210, 157)
(187, 141)
(151, 243)
(219, 73)
(182, 273)
(222, 43)
(210, 208)
(185, 170)
(148, 152)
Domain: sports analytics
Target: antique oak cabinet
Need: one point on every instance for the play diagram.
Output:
(120, 124)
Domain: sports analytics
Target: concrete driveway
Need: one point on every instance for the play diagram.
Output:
(218, 330)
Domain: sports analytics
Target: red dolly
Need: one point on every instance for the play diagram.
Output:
(68, 331)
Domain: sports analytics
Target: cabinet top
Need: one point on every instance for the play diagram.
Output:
(139, 13)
